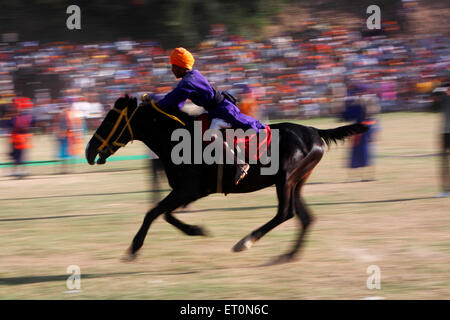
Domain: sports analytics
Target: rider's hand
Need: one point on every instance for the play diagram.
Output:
(146, 98)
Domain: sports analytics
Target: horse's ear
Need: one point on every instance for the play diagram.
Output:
(120, 103)
(130, 101)
(125, 101)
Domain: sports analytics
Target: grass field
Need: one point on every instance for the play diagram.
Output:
(89, 217)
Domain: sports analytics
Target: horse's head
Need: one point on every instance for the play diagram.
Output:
(114, 132)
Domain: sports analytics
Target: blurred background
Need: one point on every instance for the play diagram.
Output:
(312, 62)
(281, 58)
(297, 58)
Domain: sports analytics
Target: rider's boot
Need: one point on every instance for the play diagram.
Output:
(241, 166)
(241, 172)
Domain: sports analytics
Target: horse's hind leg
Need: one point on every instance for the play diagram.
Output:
(190, 230)
(306, 219)
(301, 175)
(285, 212)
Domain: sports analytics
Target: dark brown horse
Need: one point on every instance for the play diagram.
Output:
(300, 150)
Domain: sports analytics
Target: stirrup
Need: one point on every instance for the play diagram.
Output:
(244, 172)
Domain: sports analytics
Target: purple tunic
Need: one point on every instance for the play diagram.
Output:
(195, 87)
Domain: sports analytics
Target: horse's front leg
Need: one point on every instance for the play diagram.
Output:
(190, 230)
(168, 204)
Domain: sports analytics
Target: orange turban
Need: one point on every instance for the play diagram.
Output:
(182, 58)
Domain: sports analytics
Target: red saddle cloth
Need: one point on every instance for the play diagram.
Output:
(262, 139)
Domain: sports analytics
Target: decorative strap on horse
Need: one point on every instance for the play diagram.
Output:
(219, 184)
(122, 114)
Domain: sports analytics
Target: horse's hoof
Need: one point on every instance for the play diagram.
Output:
(197, 231)
(284, 258)
(129, 256)
(244, 244)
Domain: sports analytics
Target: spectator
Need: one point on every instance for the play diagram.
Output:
(20, 125)
(361, 151)
(248, 103)
(67, 128)
(442, 104)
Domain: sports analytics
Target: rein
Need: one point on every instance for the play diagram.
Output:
(124, 114)
(152, 103)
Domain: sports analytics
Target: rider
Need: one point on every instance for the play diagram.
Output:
(220, 105)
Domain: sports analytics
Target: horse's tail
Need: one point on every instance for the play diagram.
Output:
(340, 133)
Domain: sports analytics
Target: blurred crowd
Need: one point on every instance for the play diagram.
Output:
(283, 76)
(288, 77)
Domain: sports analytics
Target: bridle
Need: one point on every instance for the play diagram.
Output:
(123, 114)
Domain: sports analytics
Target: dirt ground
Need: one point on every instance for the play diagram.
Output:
(88, 218)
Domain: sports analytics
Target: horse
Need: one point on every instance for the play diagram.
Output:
(300, 150)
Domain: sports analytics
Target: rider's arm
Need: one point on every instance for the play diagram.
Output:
(177, 97)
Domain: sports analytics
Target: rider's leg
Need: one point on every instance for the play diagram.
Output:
(241, 166)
